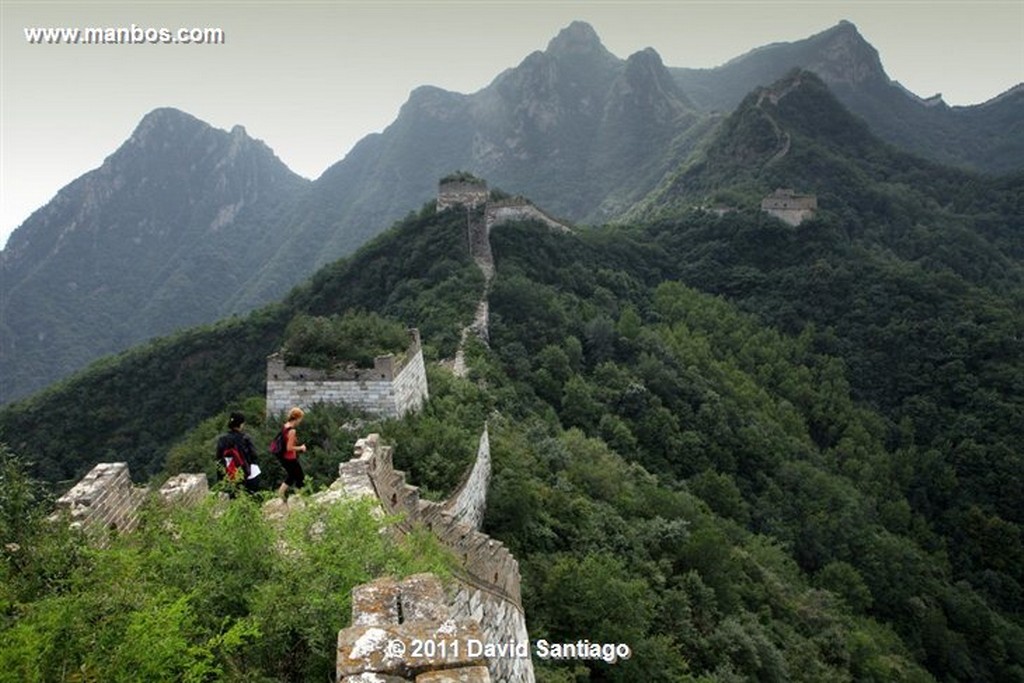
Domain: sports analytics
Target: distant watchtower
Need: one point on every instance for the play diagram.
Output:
(461, 188)
(789, 206)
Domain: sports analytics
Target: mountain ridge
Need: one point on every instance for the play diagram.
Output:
(120, 244)
(586, 134)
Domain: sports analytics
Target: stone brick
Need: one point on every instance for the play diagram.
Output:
(371, 648)
(376, 603)
(472, 674)
(186, 488)
(104, 501)
(423, 599)
(391, 389)
(370, 677)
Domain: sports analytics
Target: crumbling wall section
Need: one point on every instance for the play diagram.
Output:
(787, 205)
(185, 489)
(392, 388)
(104, 501)
(519, 209)
(404, 631)
(487, 589)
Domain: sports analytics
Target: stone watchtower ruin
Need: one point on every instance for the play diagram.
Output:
(789, 206)
(394, 385)
(461, 188)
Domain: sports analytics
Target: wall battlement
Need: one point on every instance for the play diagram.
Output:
(468, 503)
(484, 603)
(393, 387)
(488, 580)
(105, 501)
(520, 209)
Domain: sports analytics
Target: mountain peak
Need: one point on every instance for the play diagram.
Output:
(845, 57)
(164, 122)
(579, 37)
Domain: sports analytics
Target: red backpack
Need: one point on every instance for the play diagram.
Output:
(231, 456)
(234, 463)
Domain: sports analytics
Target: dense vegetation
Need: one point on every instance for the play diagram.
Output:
(191, 595)
(354, 338)
(768, 431)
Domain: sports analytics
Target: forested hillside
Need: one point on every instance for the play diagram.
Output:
(133, 406)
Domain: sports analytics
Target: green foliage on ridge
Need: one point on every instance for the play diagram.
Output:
(356, 338)
(210, 592)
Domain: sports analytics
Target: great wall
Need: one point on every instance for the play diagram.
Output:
(393, 387)
(483, 603)
(482, 215)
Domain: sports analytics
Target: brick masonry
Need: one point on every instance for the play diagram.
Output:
(487, 586)
(184, 488)
(104, 501)
(469, 502)
(787, 205)
(392, 388)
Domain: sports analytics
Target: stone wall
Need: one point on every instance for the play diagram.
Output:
(393, 387)
(104, 501)
(487, 589)
(789, 206)
(518, 209)
(466, 193)
(184, 488)
(469, 501)
(404, 631)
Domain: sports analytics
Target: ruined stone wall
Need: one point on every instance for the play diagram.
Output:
(506, 211)
(488, 581)
(787, 205)
(469, 501)
(185, 489)
(393, 387)
(410, 384)
(404, 631)
(468, 194)
(104, 501)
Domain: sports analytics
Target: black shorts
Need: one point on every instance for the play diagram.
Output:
(294, 474)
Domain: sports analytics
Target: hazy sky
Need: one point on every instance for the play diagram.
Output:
(312, 78)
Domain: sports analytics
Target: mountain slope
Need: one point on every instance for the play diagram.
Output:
(155, 239)
(574, 127)
(133, 406)
(796, 134)
(184, 224)
(986, 137)
(844, 395)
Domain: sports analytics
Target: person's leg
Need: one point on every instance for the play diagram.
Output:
(293, 477)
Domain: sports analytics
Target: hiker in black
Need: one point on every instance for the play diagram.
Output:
(236, 456)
